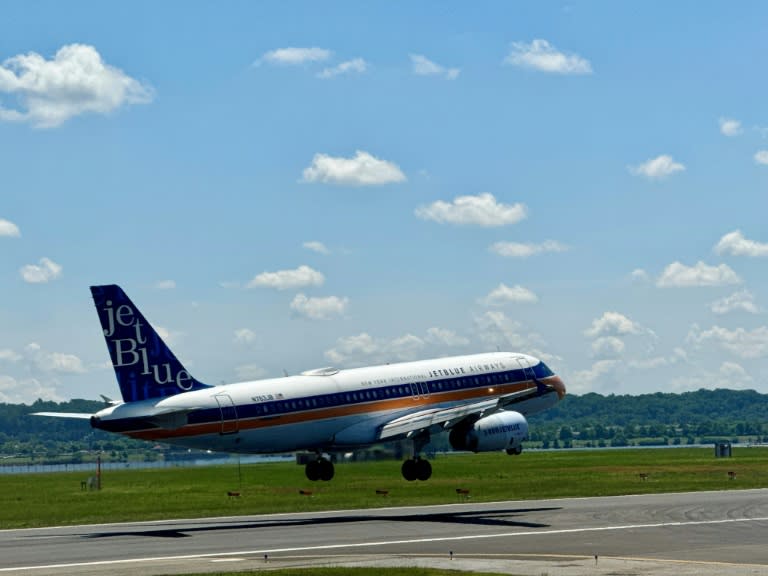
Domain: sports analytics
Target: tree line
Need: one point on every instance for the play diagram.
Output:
(588, 420)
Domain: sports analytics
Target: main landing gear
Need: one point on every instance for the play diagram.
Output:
(320, 469)
(417, 468)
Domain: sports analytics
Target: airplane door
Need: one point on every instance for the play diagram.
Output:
(415, 391)
(229, 424)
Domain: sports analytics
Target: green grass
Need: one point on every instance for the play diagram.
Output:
(29, 500)
(409, 571)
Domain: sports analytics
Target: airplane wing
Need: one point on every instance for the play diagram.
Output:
(437, 420)
(80, 415)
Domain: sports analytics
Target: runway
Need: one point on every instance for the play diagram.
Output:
(696, 533)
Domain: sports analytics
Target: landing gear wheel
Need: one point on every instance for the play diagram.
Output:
(326, 469)
(514, 451)
(409, 470)
(320, 469)
(312, 470)
(423, 469)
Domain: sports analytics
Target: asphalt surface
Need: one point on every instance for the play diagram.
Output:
(695, 533)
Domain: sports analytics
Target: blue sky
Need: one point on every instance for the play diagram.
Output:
(282, 186)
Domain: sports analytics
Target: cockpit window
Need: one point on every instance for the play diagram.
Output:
(541, 370)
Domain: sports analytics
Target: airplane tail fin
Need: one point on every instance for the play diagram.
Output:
(144, 365)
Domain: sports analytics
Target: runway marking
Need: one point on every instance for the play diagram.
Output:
(383, 543)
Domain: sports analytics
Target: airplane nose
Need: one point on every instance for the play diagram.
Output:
(559, 387)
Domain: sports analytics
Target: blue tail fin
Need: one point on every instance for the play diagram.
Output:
(145, 367)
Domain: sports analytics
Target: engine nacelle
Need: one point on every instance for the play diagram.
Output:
(500, 431)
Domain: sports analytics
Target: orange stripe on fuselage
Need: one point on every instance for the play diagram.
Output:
(433, 398)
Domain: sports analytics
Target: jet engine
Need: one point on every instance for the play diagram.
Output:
(499, 431)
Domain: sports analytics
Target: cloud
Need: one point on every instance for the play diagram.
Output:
(47, 270)
(482, 210)
(639, 275)
(165, 285)
(612, 324)
(364, 349)
(350, 66)
(301, 277)
(76, 81)
(607, 347)
(735, 244)
(446, 337)
(743, 343)
(730, 127)
(504, 294)
(26, 391)
(657, 168)
(295, 56)
(53, 361)
(362, 170)
(761, 157)
(244, 336)
(742, 300)
(519, 250)
(678, 275)
(422, 66)
(8, 355)
(319, 308)
(250, 372)
(603, 374)
(8, 228)
(496, 331)
(316, 246)
(541, 55)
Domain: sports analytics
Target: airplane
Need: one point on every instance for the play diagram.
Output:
(481, 400)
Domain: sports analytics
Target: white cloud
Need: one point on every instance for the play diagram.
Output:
(504, 294)
(734, 375)
(497, 331)
(607, 347)
(74, 82)
(736, 244)
(730, 127)
(350, 66)
(422, 66)
(602, 375)
(362, 170)
(679, 275)
(639, 275)
(743, 343)
(8, 228)
(165, 285)
(519, 250)
(168, 336)
(657, 168)
(543, 56)
(761, 157)
(301, 277)
(482, 210)
(742, 300)
(295, 56)
(8, 355)
(53, 361)
(244, 336)
(250, 372)
(47, 270)
(364, 349)
(319, 308)
(446, 337)
(318, 247)
(26, 391)
(612, 324)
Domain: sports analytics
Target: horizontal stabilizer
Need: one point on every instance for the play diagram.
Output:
(78, 415)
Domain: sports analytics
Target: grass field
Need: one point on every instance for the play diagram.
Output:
(28, 500)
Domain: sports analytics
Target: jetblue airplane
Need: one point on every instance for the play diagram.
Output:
(481, 400)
